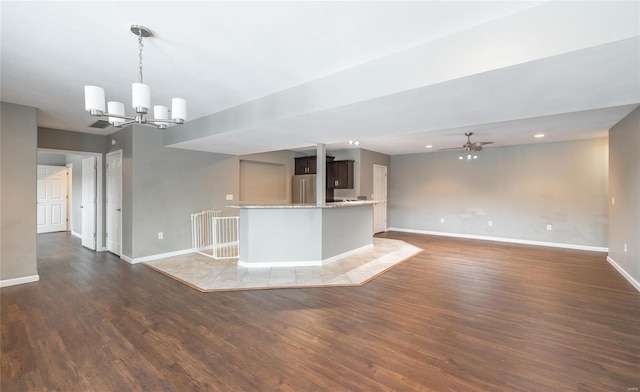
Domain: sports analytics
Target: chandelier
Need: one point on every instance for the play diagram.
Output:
(94, 101)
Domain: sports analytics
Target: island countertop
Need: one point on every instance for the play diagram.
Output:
(337, 204)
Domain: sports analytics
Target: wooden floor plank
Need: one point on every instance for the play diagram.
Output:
(464, 315)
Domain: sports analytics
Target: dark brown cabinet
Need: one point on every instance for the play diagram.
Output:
(305, 165)
(340, 174)
(308, 165)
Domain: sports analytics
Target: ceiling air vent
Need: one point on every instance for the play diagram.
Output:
(100, 124)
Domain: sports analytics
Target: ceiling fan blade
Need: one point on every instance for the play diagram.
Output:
(452, 149)
(475, 147)
(482, 143)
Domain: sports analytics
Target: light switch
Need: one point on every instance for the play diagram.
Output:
(229, 196)
(549, 227)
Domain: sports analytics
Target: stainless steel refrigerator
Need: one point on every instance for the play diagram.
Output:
(304, 189)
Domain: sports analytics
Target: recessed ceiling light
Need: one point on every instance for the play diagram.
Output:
(428, 146)
(538, 135)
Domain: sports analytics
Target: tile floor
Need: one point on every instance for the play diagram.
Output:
(206, 274)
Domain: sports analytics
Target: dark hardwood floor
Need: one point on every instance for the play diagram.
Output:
(461, 316)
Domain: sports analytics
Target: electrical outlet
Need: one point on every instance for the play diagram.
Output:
(160, 235)
(229, 196)
(490, 223)
(549, 227)
(441, 220)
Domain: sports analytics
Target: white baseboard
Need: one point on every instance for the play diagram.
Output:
(77, 235)
(155, 257)
(624, 273)
(306, 263)
(501, 239)
(17, 281)
(127, 259)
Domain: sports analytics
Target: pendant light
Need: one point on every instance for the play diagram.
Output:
(94, 99)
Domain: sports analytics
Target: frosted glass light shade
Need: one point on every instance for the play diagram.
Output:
(93, 98)
(116, 108)
(178, 109)
(160, 113)
(140, 96)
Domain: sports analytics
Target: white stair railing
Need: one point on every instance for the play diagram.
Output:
(215, 236)
(202, 229)
(226, 236)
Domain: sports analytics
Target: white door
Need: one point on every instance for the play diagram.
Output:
(52, 199)
(114, 202)
(89, 203)
(380, 194)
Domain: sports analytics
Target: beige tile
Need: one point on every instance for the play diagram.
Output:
(210, 274)
(282, 277)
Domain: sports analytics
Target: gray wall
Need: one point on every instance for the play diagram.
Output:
(521, 189)
(18, 146)
(163, 186)
(624, 186)
(367, 160)
(57, 139)
(51, 159)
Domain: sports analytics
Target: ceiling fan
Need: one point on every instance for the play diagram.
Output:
(468, 146)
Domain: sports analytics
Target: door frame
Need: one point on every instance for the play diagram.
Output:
(89, 203)
(117, 152)
(69, 195)
(100, 245)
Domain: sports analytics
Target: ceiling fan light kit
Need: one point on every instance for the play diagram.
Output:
(94, 100)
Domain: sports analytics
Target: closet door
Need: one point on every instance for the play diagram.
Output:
(52, 199)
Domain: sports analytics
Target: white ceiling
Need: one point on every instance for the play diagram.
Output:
(396, 75)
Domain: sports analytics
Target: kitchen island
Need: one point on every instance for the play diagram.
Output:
(303, 235)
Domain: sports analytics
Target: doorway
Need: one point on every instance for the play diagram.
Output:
(380, 195)
(73, 159)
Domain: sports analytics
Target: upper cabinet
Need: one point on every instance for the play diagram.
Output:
(308, 165)
(340, 174)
